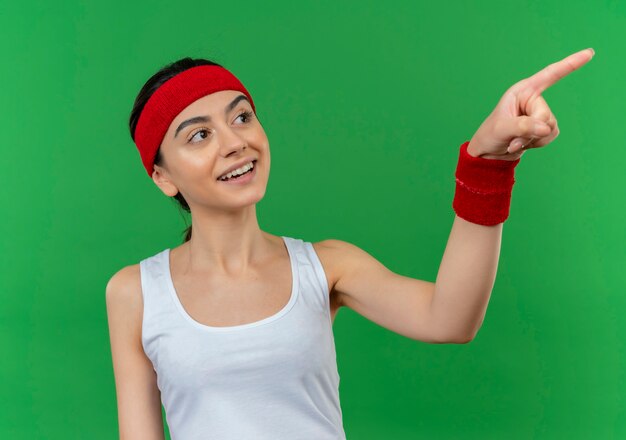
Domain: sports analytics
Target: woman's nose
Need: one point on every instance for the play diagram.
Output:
(230, 141)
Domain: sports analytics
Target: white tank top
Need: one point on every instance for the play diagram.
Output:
(275, 379)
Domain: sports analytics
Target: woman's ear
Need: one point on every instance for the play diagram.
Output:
(161, 179)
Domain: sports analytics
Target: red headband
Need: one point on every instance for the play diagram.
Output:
(174, 96)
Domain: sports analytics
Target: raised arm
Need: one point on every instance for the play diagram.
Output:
(453, 308)
(138, 397)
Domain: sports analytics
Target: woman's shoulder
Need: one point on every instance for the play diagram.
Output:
(330, 253)
(336, 257)
(123, 293)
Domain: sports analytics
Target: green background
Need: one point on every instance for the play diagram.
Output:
(365, 105)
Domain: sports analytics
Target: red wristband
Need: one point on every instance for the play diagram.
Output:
(483, 188)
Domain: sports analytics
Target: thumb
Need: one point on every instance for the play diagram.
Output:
(521, 126)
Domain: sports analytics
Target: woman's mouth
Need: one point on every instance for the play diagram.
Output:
(246, 177)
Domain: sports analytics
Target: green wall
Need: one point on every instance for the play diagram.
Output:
(365, 105)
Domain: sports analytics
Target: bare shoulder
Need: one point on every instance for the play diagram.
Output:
(337, 256)
(329, 252)
(339, 252)
(123, 294)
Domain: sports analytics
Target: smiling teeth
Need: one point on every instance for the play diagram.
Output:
(238, 171)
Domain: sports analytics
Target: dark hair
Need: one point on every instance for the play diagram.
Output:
(146, 91)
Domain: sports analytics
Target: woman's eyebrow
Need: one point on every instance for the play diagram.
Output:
(197, 119)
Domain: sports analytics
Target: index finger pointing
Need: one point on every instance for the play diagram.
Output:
(550, 74)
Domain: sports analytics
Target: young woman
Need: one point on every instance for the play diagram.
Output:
(232, 330)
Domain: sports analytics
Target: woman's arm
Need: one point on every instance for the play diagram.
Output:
(466, 277)
(138, 397)
(453, 308)
(450, 310)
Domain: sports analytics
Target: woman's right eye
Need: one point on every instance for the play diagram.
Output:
(193, 136)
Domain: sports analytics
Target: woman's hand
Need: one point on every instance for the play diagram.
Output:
(522, 118)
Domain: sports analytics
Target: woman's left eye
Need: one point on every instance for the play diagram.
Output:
(247, 114)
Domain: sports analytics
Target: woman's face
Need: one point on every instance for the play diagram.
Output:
(207, 139)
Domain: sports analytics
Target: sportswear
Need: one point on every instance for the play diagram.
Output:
(272, 379)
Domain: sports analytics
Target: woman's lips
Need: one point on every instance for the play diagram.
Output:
(245, 178)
